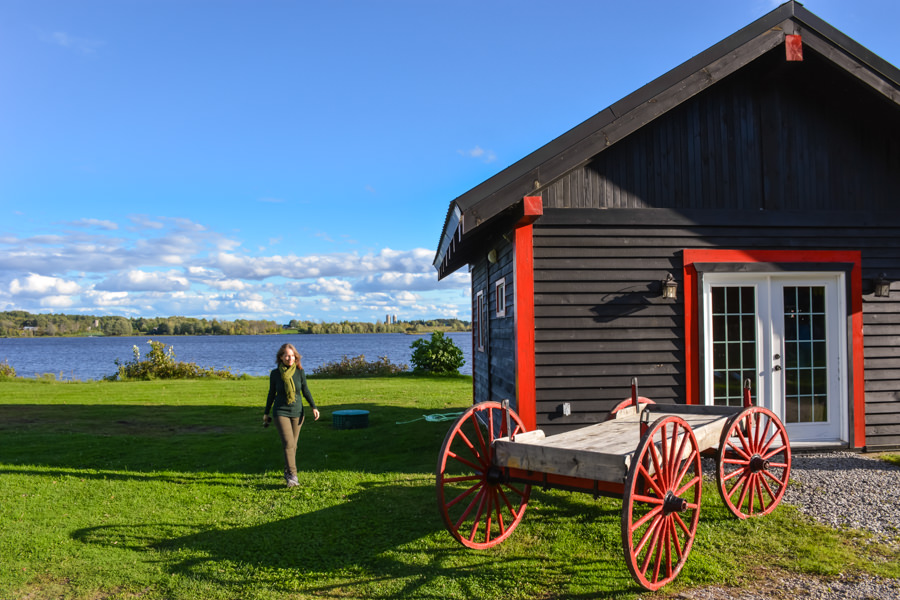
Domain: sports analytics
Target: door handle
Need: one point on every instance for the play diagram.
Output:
(776, 368)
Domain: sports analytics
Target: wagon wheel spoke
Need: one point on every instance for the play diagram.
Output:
(465, 461)
(661, 502)
(464, 495)
(479, 508)
(753, 462)
(466, 445)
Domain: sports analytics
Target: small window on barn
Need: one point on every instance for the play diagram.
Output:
(500, 294)
(480, 325)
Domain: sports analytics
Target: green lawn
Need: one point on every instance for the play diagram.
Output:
(172, 489)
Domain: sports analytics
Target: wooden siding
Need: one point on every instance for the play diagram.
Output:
(494, 370)
(774, 136)
(600, 319)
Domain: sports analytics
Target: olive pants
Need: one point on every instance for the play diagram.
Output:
(289, 430)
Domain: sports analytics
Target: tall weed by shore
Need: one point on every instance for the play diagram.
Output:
(6, 370)
(159, 363)
(358, 366)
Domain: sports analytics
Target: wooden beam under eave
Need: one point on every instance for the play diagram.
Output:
(853, 67)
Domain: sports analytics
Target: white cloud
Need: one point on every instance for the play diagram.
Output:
(144, 222)
(479, 153)
(39, 285)
(101, 268)
(98, 223)
(57, 301)
(137, 280)
(106, 299)
(72, 42)
(397, 281)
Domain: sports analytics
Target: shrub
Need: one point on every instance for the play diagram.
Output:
(359, 367)
(6, 370)
(438, 356)
(159, 363)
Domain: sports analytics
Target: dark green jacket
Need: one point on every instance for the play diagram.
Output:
(277, 397)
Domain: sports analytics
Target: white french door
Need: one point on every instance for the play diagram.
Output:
(786, 334)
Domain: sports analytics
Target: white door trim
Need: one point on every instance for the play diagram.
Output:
(770, 383)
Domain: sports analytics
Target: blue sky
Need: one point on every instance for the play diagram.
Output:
(274, 159)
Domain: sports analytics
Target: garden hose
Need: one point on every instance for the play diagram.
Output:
(434, 418)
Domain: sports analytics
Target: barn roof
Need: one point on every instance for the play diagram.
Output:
(497, 202)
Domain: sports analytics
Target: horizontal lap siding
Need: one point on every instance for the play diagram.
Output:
(600, 320)
(881, 326)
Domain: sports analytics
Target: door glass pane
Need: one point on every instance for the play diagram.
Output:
(733, 343)
(805, 365)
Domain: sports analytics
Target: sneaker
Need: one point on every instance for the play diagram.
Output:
(290, 479)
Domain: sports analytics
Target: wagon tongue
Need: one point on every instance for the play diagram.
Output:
(673, 503)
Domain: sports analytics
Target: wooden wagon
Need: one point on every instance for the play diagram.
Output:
(644, 453)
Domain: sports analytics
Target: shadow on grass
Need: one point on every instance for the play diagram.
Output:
(385, 540)
(204, 439)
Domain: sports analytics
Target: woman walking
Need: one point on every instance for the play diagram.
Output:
(285, 382)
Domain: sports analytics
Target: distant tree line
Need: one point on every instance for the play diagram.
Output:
(19, 323)
(397, 327)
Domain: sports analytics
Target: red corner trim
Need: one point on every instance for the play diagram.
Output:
(532, 208)
(692, 317)
(524, 315)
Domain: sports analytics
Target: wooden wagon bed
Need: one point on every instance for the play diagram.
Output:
(603, 451)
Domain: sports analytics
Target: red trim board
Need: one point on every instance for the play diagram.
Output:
(692, 319)
(526, 393)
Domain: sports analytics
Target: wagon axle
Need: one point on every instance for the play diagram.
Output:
(673, 504)
(758, 463)
(495, 476)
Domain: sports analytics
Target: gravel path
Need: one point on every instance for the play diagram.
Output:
(843, 490)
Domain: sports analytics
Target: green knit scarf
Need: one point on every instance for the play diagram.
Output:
(287, 375)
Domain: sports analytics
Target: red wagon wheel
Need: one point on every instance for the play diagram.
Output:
(627, 403)
(661, 503)
(753, 462)
(479, 508)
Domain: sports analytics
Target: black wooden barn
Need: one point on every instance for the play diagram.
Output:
(763, 177)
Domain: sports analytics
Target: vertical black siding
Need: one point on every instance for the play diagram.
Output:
(494, 369)
(769, 137)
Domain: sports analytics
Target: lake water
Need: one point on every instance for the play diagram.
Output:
(85, 358)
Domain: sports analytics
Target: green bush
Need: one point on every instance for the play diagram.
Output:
(359, 367)
(159, 363)
(6, 370)
(438, 356)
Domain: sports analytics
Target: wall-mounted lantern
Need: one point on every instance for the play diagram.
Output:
(882, 286)
(492, 257)
(669, 287)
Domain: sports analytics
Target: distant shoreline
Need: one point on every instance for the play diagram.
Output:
(18, 323)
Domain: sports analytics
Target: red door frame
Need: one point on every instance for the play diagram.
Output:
(692, 318)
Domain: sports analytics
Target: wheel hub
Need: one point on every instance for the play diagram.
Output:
(494, 476)
(672, 503)
(758, 463)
